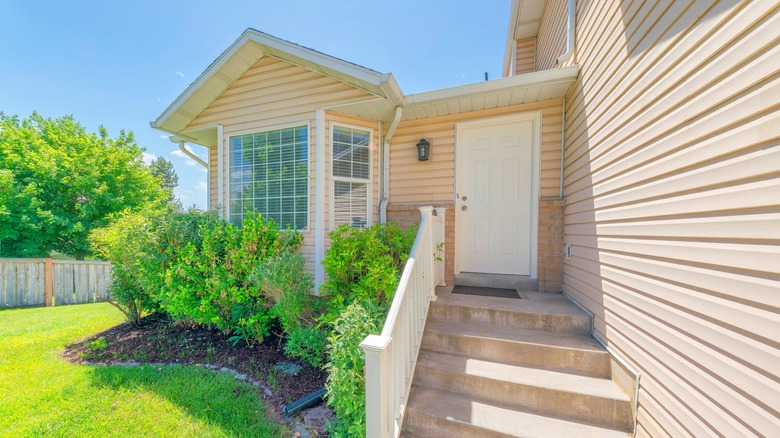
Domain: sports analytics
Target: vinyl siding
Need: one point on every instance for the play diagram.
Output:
(672, 187)
(213, 169)
(433, 181)
(551, 39)
(275, 93)
(525, 53)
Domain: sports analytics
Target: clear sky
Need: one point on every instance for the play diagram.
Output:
(120, 64)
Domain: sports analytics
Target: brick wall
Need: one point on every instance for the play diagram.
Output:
(551, 245)
(409, 214)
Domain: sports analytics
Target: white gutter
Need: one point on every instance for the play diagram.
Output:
(563, 141)
(386, 163)
(571, 23)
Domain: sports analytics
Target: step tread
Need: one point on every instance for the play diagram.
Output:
(540, 303)
(498, 419)
(540, 378)
(516, 335)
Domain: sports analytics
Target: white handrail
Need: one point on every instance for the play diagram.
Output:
(391, 356)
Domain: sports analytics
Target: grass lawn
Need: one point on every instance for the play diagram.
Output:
(43, 395)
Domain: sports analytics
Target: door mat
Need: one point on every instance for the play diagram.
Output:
(486, 292)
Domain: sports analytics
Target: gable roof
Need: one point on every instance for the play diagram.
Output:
(244, 53)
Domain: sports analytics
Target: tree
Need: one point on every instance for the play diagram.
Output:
(162, 169)
(59, 182)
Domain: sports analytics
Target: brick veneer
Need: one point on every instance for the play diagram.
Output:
(550, 272)
(409, 214)
(551, 245)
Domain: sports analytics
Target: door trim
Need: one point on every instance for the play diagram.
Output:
(536, 118)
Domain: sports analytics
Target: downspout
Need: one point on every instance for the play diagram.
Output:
(563, 142)
(386, 165)
(571, 23)
(196, 158)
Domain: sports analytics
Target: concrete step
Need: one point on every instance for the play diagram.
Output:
(435, 413)
(541, 311)
(566, 396)
(577, 354)
(502, 281)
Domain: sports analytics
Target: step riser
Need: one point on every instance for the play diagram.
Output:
(423, 425)
(497, 281)
(575, 325)
(577, 407)
(585, 363)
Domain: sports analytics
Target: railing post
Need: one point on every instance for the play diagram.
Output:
(430, 268)
(377, 408)
(442, 213)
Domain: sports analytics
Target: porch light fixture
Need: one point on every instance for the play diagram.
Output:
(423, 150)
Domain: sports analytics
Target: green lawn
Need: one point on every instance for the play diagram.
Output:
(43, 395)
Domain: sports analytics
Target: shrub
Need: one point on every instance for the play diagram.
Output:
(287, 287)
(346, 386)
(364, 265)
(124, 242)
(209, 283)
(363, 268)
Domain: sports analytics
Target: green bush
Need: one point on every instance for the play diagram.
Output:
(364, 264)
(210, 282)
(287, 287)
(363, 268)
(346, 386)
(125, 242)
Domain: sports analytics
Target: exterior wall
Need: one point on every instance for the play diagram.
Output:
(551, 39)
(525, 55)
(414, 183)
(275, 93)
(672, 187)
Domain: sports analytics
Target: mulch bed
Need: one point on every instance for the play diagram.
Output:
(158, 340)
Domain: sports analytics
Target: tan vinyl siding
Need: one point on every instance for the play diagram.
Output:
(412, 181)
(672, 186)
(551, 39)
(525, 53)
(271, 94)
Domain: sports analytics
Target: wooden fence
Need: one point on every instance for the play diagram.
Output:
(47, 282)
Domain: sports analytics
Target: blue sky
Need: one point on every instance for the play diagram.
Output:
(120, 64)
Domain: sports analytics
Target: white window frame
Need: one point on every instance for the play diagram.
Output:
(308, 229)
(369, 182)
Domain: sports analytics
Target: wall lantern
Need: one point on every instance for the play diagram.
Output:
(423, 150)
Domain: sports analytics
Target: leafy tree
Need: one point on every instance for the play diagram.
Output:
(162, 169)
(59, 182)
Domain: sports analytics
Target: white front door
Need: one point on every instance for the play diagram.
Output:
(495, 197)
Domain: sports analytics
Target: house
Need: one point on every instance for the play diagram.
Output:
(628, 158)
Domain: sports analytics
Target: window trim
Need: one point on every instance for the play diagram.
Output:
(308, 229)
(369, 181)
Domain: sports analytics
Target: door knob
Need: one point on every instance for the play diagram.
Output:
(464, 208)
(464, 198)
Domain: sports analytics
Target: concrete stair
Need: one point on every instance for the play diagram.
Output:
(500, 367)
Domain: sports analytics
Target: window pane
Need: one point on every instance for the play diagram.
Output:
(269, 174)
(350, 204)
(351, 152)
